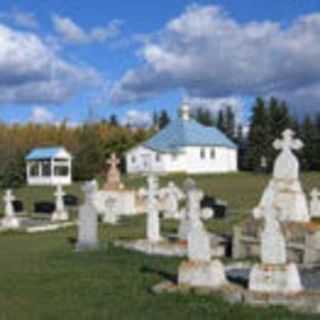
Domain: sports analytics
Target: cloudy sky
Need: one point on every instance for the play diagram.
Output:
(59, 59)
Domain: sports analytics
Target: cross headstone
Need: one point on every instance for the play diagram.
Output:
(171, 195)
(273, 245)
(8, 199)
(110, 215)
(288, 143)
(113, 178)
(88, 220)
(153, 220)
(10, 221)
(60, 213)
(315, 204)
(199, 244)
(286, 165)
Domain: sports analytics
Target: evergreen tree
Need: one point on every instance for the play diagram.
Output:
(259, 136)
(155, 119)
(114, 120)
(221, 121)
(230, 123)
(310, 138)
(164, 119)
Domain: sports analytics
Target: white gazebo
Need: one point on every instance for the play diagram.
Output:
(49, 166)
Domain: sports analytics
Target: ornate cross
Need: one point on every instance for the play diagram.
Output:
(113, 161)
(9, 197)
(288, 143)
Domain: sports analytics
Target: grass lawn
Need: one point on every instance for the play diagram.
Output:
(43, 278)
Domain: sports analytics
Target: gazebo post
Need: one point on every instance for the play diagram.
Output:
(52, 174)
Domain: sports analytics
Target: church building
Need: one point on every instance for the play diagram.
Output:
(185, 146)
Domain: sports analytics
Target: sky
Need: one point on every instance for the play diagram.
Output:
(71, 60)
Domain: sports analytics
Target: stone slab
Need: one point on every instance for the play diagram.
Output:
(202, 274)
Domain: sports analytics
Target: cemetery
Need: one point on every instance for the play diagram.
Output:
(170, 249)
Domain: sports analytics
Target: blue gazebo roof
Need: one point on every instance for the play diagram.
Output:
(44, 153)
(183, 133)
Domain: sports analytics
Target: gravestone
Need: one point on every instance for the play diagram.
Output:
(10, 221)
(199, 270)
(192, 212)
(284, 190)
(273, 274)
(110, 215)
(170, 196)
(153, 219)
(60, 213)
(315, 204)
(113, 176)
(88, 220)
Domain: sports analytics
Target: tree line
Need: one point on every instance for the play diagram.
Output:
(94, 141)
(269, 118)
(90, 144)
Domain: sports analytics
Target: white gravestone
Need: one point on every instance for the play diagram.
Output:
(171, 196)
(111, 215)
(88, 220)
(10, 221)
(284, 190)
(315, 204)
(153, 219)
(60, 213)
(273, 245)
(274, 274)
(200, 271)
(192, 213)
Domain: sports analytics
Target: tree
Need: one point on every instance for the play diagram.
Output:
(114, 120)
(310, 137)
(89, 158)
(221, 122)
(230, 123)
(164, 119)
(259, 136)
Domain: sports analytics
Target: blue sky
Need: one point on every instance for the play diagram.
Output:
(60, 58)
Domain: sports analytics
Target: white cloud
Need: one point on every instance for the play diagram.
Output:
(137, 119)
(20, 18)
(211, 55)
(32, 72)
(42, 115)
(74, 34)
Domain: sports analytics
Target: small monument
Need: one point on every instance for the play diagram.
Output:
(10, 221)
(199, 270)
(113, 177)
(60, 213)
(274, 274)
(315, 204)
(284, 190)
(110, 215)
(88, 220)
(193, 210)
(153, 220)
(171, 196)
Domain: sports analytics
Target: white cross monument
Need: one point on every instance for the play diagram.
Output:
(60, 213)
(10, 221)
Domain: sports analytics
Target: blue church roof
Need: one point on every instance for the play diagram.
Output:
(182, 133)
(44, 153)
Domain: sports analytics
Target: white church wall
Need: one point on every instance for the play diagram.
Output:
(210, 159)
(138, 159)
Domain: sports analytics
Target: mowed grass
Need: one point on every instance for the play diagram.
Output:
(43, 278)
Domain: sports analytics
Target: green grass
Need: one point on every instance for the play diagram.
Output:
(43, 278)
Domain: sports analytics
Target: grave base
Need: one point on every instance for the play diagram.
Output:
(10, 223)
(202, 274)
(86, 246)
(60, 216)
(282, 279)
(165, 247)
